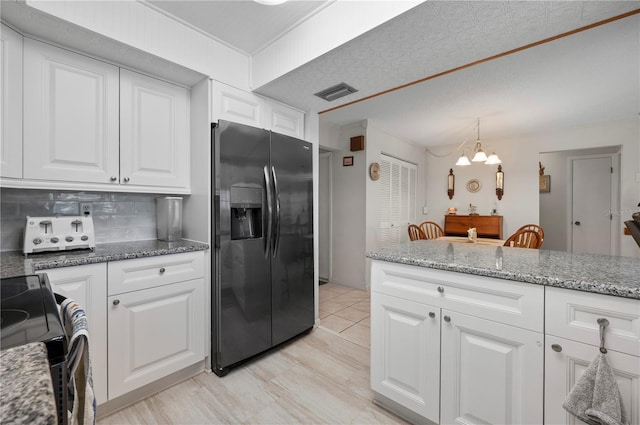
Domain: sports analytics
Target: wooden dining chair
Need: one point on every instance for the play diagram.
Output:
(524, 239)
(415, 232)
(431, 229)
(535, 228)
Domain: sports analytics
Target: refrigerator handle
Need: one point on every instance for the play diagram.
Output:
(276, 231)
(267, 184)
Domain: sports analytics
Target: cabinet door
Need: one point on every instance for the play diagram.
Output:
(88, 286)
(70, 116)
(563, 369)
(154, 132)
(235, 105)
(284, 120)
(491, 373)
(153, 333)
(11, 92)
(405, 353)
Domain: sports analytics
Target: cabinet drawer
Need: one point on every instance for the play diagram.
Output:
(141, 273)
(573, 315)
(513, 303)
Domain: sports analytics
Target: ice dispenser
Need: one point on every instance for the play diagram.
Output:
(246, 212)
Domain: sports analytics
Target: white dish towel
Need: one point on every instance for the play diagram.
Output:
(595, 399)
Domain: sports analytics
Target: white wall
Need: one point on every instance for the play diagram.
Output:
(520, 156)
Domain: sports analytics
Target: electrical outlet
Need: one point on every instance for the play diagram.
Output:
(86, 208)
(425, 210)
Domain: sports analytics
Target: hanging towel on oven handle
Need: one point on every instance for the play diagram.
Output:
(595, 399)
(80, 378)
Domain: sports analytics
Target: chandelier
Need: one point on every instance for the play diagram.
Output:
(479, 154)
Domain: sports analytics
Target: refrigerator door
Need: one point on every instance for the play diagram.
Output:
(242, 290)
(292, 248)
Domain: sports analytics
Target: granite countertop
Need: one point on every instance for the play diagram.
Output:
(26, 393)
(14, 263)
(618, 276)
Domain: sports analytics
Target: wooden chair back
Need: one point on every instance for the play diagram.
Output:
(535, 228)
(431, 229)
(524, 239)
(415, 233)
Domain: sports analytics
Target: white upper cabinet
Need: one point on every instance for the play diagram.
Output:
(11, 91)
(284, 120)
(232, 104)
(154, 132)
(70, 116)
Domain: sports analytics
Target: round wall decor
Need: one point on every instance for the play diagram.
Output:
(474, 185)
(374, 171)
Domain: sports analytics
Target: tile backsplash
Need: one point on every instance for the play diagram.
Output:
(117, 217)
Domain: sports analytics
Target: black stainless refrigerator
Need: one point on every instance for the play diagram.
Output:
(263, 288)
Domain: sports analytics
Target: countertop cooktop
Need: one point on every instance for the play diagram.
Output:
(618, 276)
(14, 263)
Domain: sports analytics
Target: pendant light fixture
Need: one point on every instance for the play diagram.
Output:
(463, 161)
(479, 155)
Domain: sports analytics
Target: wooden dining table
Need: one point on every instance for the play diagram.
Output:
(479, 241)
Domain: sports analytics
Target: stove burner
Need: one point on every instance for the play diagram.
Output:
(12, 317)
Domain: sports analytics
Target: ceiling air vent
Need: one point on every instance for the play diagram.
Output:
(336, 92)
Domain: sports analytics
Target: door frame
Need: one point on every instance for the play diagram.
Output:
(614, 200)
(328, 155)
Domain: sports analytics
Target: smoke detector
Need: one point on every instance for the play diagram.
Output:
(335, 92)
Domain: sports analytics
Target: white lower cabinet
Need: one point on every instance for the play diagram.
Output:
(492, 373)
(405, 349)
(565, 365)
(153, 333)
(88, 286)
(444, 347)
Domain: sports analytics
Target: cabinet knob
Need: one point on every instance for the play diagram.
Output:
(556, 347)
(432, 314)
(162, 270)
(440, 289)
(113, 178)
(116, 302)
(126, 179)
(447, 319)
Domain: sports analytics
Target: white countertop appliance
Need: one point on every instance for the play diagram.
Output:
(58, 233)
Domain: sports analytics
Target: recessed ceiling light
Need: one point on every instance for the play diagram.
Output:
(270, 2)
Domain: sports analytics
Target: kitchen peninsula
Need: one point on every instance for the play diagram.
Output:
(483, 334)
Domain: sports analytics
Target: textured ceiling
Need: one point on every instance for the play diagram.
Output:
(245, 25)
(440, 35)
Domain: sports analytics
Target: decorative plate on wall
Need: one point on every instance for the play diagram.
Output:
(474, 185)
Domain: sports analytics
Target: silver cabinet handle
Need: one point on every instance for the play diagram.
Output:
(113, 178)
(440, 289)
(126, 179)
(116, 302)
(447, 319)
(556, 347)
(432, 314)
(162, 270)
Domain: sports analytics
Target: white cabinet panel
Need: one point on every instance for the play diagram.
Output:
(405, 353)
(11, 92)
(491, 373)
(154, 132)
(153, 333)
(88, 286)
(284, 120)
(70, 116)
(235, 105)
(574, 315)
(564, 368)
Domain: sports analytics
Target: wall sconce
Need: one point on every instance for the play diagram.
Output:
(451, 183)
(499, 183)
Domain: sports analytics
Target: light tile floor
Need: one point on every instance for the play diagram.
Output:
(345, 311)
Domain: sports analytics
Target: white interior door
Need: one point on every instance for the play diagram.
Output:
(324, 217)
(591, 205)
